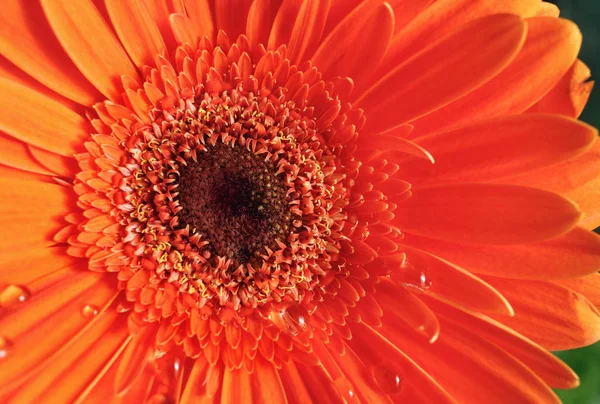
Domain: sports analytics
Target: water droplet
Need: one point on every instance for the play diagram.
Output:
(5, 347)
(168, 368)
(415, 277)
(296, 319)
(388, 378)
(346, 390)
(13, 295)
(89, 310)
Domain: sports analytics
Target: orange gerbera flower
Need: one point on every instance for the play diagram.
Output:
(294, 201)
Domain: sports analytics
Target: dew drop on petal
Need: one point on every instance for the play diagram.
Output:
(5, 347)
(168, 369)
(296, 319)
(89, 310)
(388, 378)
(346, 390)
(12, 295)
(415, 277)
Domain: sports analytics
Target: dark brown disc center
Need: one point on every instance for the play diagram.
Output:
(233, 198)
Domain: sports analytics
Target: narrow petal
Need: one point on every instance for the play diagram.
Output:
(260, 20)
(447, 282)
(237, 387)
(233, 23)
(405, 93)
(445, 16)
(547, 366)
(49, 316)
(267, 385)
(15, 153)
(90, 43)
(33, 263)
(34, 49)
(159, 11)
(499, 148)
(550, 50)
(66, 167)
(308, 28)
(414, 313)
(31, 211)
(283, 24)
(472, 369)
(576, 253)
(363, 35)
(381, 353)
(79, 362)
(184, 29)
(44, 123)
(554, 316)
(137, 30)
(570, 94)
(486, 214)
(576, 179)
(588, 286)
(9, 71)
(199, 12)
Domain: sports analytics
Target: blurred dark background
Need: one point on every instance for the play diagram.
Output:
(585, 361)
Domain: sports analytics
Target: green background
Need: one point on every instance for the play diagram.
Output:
(585, 361)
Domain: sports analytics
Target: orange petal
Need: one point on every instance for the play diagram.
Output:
(308, 28)
(570, 94)
(199, 12)
(443, 17)
(283, 24)
(486, 214)
(13, 73)
(405, 93)
(33, 48)
(499, 148)
(548, 10)
(413, 312)
(576, 179)
(260, 19)
(63, 166)
(461, 357)
(195, 388)
(184, 29)
(576, 253)
(31, 212)
(554, 316)
(90, 43)
(137, 30)
(159, 11)
(15, 153)
(383, 356)
(551, 48)
(363, 35)
(295, 389)
(449, 282)
(32, 263)
(53, 316)
(233, 23)
(588, 286)
(547, 366)
(237, 387)
(78, 362)
(350, 376)
(44, 123)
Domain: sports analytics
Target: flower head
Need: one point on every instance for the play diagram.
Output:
(284, 201)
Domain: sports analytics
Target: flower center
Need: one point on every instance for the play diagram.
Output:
(234, 198)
